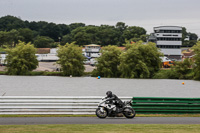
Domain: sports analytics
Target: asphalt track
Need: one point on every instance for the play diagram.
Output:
(95, 120)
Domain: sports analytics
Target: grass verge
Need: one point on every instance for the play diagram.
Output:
(3, 73)
(2, 49)
(100, 128)
(137, 115)
(44, 73)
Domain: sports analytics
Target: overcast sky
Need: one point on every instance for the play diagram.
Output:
(144, 13)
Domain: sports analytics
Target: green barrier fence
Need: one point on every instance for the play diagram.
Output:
(161, 105)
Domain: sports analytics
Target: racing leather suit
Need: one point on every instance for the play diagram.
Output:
(117, 101)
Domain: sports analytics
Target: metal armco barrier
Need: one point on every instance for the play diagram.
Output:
(50, 104)
(156, 105)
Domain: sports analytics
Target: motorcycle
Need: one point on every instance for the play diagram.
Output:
(109, 109)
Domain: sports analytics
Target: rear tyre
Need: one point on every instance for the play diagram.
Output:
(101, 113)
(129, 112)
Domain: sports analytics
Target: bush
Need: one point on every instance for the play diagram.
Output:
(165, 74)
(196, 49)
(172, 74)
(108, 62)
(21, 59)
(71, 59)
(182, 69)
(140, 60)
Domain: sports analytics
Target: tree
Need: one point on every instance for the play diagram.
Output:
(66, 39)
(26, 34)
(43, 42)
(134, 32)
(182, 69)
(196, 49)
(76, 25)
(12, 38)
(65, 29)
(109, 35)
(2, 38)
(85, 35)
(140, 60)
(184, 34)
(121, 26)
(51, 30)
(71, 59)
(8, 23)
(21, 59)
(192, 38)
(108, 62)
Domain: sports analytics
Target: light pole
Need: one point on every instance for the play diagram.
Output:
(59, 39)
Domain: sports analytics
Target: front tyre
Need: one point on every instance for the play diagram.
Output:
(129, 112)
(101, 113)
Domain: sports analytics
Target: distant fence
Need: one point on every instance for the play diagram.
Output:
(50, 104)
(156, 105)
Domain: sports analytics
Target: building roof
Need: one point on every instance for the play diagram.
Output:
(43, 50)
(122, 48)
(168, 27)
(188, 53)
(93, 45)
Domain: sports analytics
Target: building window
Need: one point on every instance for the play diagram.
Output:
(169, 46)
(168, 39)
(168, 31)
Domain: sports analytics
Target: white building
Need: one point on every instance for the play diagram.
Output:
(47, 57)
(92, 50)
(2, 59)
(53, 50)
(169, 40)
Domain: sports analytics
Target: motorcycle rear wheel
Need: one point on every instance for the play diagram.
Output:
(101, 114)
(129, 112)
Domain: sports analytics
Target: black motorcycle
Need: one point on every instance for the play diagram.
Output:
(107, 108)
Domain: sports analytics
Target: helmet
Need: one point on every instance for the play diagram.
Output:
(109, 93)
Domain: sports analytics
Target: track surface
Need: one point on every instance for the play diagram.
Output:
(95, 120)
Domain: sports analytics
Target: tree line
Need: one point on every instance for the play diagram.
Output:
(139, 60)
(43, 34)
(48, 35)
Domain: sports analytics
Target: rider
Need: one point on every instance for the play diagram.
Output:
(112, 97)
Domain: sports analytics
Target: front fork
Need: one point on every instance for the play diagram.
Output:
(102, 109)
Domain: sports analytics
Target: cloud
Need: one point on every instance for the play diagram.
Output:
(145, 13)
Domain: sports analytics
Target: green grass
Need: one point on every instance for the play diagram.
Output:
(100, 128)
(43, 73)
(34, 73)
(3, 73)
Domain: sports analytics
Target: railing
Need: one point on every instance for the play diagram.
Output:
(156, 105)
(50, 104)
(88, 105)
(92, 50)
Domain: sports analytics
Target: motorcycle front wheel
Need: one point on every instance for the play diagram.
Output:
(101, 113)
(129, 112)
